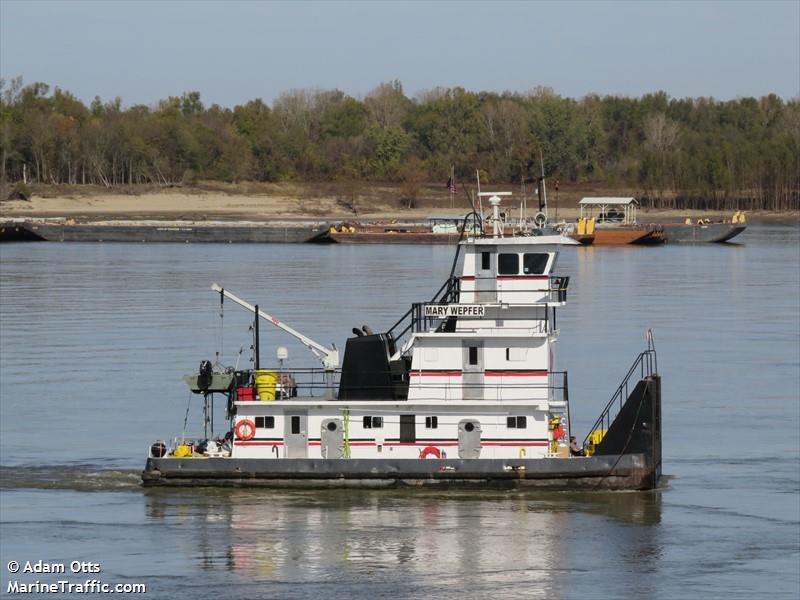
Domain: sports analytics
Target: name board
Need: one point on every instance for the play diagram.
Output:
(442, 311)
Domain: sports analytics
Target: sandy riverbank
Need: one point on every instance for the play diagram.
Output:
(290, 202)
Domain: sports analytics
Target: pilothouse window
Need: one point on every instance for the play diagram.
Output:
(534, 264)
(508, 264)
(486, 261)
(431, 422)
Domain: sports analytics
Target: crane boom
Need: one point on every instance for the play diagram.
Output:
(328, 356)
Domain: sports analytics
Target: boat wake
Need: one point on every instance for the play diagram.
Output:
(83, 478)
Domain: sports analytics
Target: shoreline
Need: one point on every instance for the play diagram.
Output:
(293, 203)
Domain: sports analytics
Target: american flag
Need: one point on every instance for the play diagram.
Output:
(451, 185)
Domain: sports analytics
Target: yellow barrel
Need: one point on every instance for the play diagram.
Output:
(183, 451)
(597, 436)
(594, 439)
(265, 384)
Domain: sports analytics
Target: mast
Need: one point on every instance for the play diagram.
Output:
(543, 195)
(257, 340)
(480, 204)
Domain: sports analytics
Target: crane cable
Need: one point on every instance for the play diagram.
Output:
(221, 337)
(186, 417)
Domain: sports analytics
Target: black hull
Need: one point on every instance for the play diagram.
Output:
(636, 429)
(18, 232)
(167, 233)
(700, 234)
(629, 472)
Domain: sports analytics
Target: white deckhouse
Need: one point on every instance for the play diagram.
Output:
(469, 375)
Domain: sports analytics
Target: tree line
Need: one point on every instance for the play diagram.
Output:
(679, 153)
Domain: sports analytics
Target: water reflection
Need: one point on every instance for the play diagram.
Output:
(482, 540)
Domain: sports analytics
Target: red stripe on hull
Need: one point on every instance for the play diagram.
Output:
(399, 444)
(436, 374)
(501, 278)
(515, 374)
(241, 443)
(514, 443)
(486, 373)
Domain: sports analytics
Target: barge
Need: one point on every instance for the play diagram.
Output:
(224, 232)
(438, 230)
(613, 222)
(461, 391)
(705, 231)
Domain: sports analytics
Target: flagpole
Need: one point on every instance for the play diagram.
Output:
(453, 184)
(480, 200)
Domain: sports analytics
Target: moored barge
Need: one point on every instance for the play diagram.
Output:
(461, 391)
(613, 222)
(438, 230)
(705, 231)
(184, 232)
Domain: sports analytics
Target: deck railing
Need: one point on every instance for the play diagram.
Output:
(415, 320)
(448, 294)
(646, 364)
(312, 382)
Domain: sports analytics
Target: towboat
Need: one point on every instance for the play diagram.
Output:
(461, 391)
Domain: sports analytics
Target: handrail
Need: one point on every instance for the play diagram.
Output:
(310, 381)
(447, 293)
(647, 363)
(450, 292)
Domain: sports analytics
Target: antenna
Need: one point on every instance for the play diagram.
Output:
(480, 204)
(543, 195)
(524, 209)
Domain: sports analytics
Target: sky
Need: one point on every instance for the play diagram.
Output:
(232, 52)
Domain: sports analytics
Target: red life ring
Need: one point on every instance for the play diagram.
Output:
(430, 450)
(245, 430)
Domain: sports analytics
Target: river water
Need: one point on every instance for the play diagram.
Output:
(94, 339)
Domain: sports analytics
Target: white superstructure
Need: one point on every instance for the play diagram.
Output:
(468, 375)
